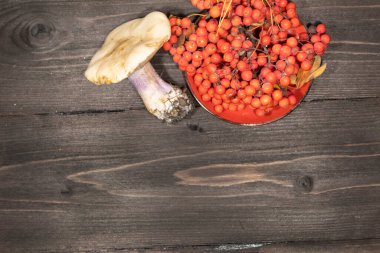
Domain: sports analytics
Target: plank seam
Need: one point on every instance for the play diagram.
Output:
(243, 246)
(99, 111)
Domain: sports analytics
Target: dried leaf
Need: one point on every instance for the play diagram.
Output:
(293, 79)
(180, 41)
(190, 31)
(301, 78)
(305, 76)
(299, 74)
(318, 72)
(316, 64)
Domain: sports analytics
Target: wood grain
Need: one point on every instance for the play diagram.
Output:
(362, 246)
(100, 181)
(87, 169)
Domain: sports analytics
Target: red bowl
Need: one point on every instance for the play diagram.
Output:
(248, 116)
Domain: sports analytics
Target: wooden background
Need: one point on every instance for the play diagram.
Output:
(87, 169)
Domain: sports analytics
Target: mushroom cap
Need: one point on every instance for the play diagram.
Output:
(129, 47)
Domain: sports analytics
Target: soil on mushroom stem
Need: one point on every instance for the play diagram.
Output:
(247, 56)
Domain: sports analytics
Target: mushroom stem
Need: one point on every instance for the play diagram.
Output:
(162, 99)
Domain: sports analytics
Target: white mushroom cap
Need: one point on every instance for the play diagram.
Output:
(129, 47)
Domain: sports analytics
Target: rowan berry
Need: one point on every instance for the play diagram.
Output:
(226, 24)
(282, 3)
(220, 89)
(292, 100)
(236, 21)
(260, 112)
(292, 42)
(319, 47)
(301, 56)
(289, 70)
(185, 23)
(247, 75)
(242, 65)
(239, 10)
(211, 49)
(285, 81)
(190, 46)
(255, 84)
(256, 15)
(265, 99)
(216, 101)
(277, 95)
(266, 40)
(206, 97)
(241, 94)
(325, 38)
(262, 60)
(250, 90)
(276, 49)
(218, 109)
(167, 46)
(291, 5)
(212, 25)
(232, 107)
(215, 11)
(295, 22)
(247, 100)
(256, 103)
(284, 103)
(321, 28)
(247, 12)
(267, 88)
(228, 57)
(286, 24)
(271, 77)
(258, 4)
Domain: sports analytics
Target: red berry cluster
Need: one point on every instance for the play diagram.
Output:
(245, 53)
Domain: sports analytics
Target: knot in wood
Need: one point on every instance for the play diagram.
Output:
(34, 32)
(41, 31)
(39, 34)
(24, 33)
(305, 184)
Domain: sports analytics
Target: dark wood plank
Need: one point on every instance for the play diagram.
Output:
(46, 46)
(124, 180)
(353, 246)
(359, 246)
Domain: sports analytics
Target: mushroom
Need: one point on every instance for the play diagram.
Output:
(126, 54)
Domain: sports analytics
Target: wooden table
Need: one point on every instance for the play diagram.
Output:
(87, 169)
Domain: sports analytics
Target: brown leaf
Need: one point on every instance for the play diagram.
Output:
(180, 41)
(301, 78)
(318, 72)
(305, 76)
(316, 64)
(190, 30)
(300, 73)
(293, 79)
